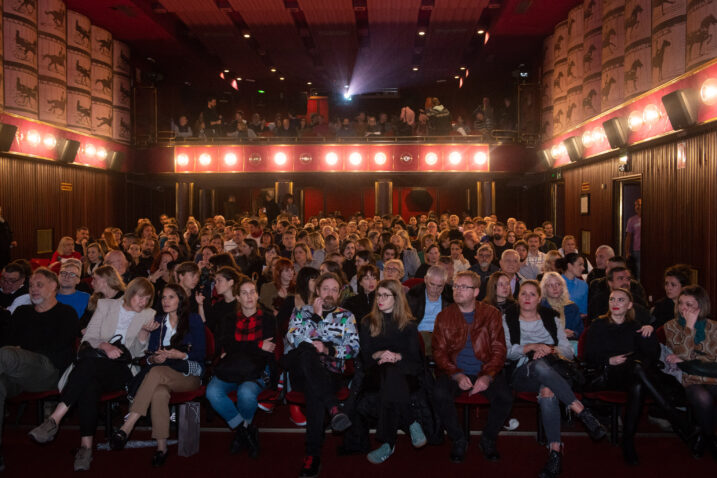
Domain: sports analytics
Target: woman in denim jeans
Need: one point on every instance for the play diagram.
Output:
(535, 338)
(247, 345)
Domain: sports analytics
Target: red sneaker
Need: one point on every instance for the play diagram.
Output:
(268, 407)
(297, 416)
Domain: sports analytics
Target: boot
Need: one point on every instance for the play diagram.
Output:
(252, 440)
(553, 467)
(629, 454)
(596, 430)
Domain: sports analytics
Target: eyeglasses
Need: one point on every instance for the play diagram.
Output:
(463, 287)
(384, 296)
(66, 274)
(10, 281)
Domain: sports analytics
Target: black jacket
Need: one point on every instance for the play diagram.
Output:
(359, 304)
(417, 300)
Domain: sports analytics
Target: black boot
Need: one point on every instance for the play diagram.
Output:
(596, 430)
(629, 454)
(239, 441)
(252, 440)
(553, 467)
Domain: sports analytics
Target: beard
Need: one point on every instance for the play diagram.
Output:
(329, 303)
(497, 237)
(484, 264)
(37, 300)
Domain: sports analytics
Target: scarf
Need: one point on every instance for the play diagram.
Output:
(700, 327)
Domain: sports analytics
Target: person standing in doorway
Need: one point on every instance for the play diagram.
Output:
(632, 238)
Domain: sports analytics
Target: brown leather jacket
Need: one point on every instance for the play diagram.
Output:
(451, 332)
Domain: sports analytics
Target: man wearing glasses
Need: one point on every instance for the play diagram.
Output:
(469, 350)
(68, 294)
(13, 292)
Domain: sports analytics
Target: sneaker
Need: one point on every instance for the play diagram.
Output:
(418, 438)
(296, 416)
(268, 407)
(339, 420)
(490, 451)
(311, 467)
(45, 432)
(596, 430)
(554, 465)
(381, 454)
(458, 450)
(513, 424)
(83, 458)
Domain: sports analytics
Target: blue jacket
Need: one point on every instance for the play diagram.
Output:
(573, 321)
(195, 337)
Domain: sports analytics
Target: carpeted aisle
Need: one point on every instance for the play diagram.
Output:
(282, 454)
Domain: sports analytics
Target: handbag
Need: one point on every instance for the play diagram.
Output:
(698, 367)
(87, 351)
(567, 369)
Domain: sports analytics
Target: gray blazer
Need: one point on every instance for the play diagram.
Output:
(103, 324)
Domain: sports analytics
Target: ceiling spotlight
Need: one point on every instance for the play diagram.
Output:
(239, 78)
(651, 114)
(226, 71)
(587, 139)
(708, 92)
(380, 158)
(230, 159)
(634, 121)
(309, 83)
(273, 70)
(182, 160)
(347, 96)
(462, 68)
(102, 153)
(332, 159)
(415, 68)
(346, 86)
(280, 159)
(90, 149)
(34, 137)
(480, 31)
(454, 158)
(480, 158)
(205, 159)
(281, 78)
(247, 35)
(431, 159)
(456, 77)
(49, 141)
(355, 158)
(421, 33)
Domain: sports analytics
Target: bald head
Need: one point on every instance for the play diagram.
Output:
(118, 260)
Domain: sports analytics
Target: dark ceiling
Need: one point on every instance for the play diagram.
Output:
(371, 45)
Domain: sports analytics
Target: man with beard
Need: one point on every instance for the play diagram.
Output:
(40, 343)
(499, 241)
(322, 336)
(484, 267)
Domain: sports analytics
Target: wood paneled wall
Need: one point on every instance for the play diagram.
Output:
(31, 199)
(678, 212)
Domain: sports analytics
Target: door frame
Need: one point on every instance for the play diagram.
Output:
(618, 186)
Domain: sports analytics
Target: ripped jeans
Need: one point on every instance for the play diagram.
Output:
(536, 375)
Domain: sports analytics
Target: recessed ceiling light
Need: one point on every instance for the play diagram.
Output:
(456, 77)
(480, 31)
(238, 78)
(246, 35)
(273, 70)
(309, 83)
(415, 68)
(281, 78)
(462, 68)
(226, 71)
(421, 33)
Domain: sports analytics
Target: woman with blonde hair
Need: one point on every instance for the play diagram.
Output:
(556, 296)
(390, 352)
(117, 334)
(65, 250)
(316, 242)
(106, 284)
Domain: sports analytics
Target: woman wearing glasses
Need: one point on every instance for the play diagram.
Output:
(391, 356)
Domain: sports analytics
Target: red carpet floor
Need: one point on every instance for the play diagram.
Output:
(662, 455)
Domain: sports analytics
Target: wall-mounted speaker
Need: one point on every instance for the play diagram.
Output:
(682, 107)
(7, 136)
(115, 160)
(545, 157)
(67, 150)
(419, 200)
(617, 132)
(574, 147)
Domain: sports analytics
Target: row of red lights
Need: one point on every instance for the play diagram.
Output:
(646, 117)
(48, 141)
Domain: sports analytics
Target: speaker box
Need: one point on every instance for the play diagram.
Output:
(682, 107)
(7, 136)
(67, 150)
(574, 146)
(419, 200)
(115, 160)
(617, 132)
(545, 157)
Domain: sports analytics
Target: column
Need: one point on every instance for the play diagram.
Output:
(383, 191)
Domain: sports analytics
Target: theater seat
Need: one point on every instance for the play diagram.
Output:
(38, 397)
(468, 402)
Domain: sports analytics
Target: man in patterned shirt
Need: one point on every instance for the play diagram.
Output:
(322, 336)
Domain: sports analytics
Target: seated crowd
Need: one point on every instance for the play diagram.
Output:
(432, 119)
(404, 316)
